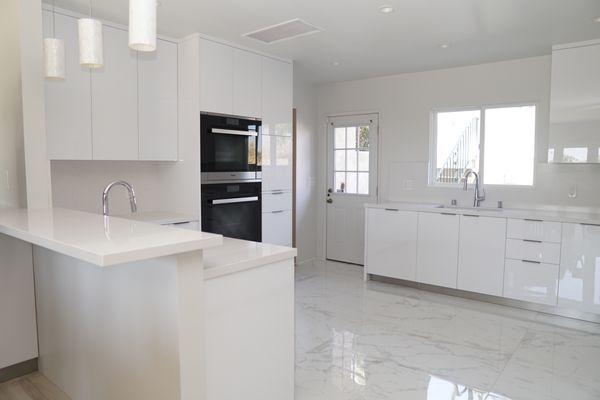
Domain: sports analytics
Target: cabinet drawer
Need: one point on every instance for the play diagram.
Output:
(277, 228)
(534, 230)
(523, 249)
(533, 282)
(276, 201)
(191, 226)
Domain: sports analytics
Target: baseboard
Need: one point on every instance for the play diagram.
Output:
(307, 261)
(18, 370)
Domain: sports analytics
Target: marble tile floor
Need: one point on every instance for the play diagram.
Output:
(376, 341)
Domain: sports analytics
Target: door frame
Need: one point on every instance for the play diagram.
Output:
(325, 158)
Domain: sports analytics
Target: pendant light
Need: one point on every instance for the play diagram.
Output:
(54, 54)
(142, 25)
(90, 42)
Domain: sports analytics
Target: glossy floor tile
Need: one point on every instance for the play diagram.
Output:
(357, 340)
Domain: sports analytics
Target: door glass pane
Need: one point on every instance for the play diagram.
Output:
(363, 137)
(340, 138)
(351, 182)
(363, 160)
(340, 182)
(575, 155)
(351, 159)
(363, 183)
(340, 160)
(351, 141)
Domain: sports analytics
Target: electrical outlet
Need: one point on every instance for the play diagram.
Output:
(6, 180)
(573, 191)
(407, 184)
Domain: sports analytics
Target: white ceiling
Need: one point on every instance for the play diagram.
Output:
(368, 43)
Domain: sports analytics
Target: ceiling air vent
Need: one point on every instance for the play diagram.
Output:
(283, 31)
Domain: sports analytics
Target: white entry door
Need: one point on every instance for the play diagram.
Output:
(352, 182)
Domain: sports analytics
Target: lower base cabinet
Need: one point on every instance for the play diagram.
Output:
(531, 281)
(437, 249)
(277, 227)
(391, 243)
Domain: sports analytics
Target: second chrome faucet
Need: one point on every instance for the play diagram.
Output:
(131, 192)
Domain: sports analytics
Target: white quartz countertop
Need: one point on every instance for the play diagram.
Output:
(238, 255)
(537, 214)
(160, 217)
(91, 238)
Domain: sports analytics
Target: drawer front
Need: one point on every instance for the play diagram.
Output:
(523, 249)
(191, 226)
(532, 282)
(276, 201)
(534, 230)
(277, 228)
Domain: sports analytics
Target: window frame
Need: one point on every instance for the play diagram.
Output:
(432, 164)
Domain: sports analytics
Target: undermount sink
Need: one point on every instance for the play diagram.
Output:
(458, 208)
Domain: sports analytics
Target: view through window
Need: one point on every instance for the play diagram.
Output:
(351, 159)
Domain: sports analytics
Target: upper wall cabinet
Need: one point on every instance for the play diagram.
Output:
(230, 80)
(157, 106)
(114, 100)
(574, 104)
(68, 102)
(277, 89)
(126, 110)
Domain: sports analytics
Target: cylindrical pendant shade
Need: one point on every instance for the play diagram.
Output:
(142, 25)
(90, 43)
(54, 58)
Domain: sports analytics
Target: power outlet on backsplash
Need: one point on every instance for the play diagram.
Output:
(573, 191)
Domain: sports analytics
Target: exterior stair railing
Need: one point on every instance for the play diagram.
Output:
(462, 156)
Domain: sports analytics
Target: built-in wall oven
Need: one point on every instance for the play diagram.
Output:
(230, 148)
(232, 210)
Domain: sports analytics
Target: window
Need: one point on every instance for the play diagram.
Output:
(507, 156)
(351, 159)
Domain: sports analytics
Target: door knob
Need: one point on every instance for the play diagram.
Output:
(329, 201)
(330, 190)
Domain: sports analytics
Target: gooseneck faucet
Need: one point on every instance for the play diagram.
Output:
(478, 196)
(130, 190)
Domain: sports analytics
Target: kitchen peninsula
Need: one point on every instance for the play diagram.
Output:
(120, 304)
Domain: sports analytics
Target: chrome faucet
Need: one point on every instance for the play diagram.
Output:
(130, 190)
(478, 196)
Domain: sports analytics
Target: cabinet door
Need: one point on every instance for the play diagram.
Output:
(481, 254)
(68, 102)
(247, 87)
(437, 249)
(277, 86)
(531, 281)
(157, 79)
(216, 77)
(277, 227)
(579, 278)
(115, 100)
(276, 163)
(391, 243)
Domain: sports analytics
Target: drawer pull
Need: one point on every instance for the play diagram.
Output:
(531, 262)
(277, 192)
(277, 212)
(588, 224)
(471, 215)
(534, 220)
(391, 209)
(532, 241)
(445, 213)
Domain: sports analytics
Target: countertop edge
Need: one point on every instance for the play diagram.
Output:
(245, 265)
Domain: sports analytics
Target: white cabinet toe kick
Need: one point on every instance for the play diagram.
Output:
(535, 264)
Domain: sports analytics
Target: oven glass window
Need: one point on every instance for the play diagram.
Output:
(234, 153)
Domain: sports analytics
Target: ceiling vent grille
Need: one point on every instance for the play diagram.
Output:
(283, 31)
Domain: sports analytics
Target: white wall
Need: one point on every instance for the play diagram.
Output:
(305, 103)
(405, 102)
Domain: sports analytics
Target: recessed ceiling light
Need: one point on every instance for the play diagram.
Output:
(385, 9)
(597, 19)
(335, 63)
(444, 46)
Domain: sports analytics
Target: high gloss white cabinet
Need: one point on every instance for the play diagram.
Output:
(115, 100)
(481, 254)
(157, 105)
(277, 163)
(437, 249)
(277, 88)
(391, 243)
(277, 227)
(68, 102)
(247, 84)
(530, 281)
(579, 283)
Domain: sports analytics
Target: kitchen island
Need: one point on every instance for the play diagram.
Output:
(120, 304)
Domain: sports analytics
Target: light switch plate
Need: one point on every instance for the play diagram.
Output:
(407, 184)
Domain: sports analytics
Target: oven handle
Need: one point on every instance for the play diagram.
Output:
(235, 200)
(234, 132)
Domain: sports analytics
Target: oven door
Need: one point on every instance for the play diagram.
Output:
(231, 211)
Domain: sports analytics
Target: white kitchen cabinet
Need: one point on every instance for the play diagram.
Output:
(277, 227)
(579, 279)
(277, 92)
(115, 100)
(275, 201)
(437, 249)
(68, 102)
(481, 254)
(391, 243)
(247, 84)
(157, 106)
(216, 77)
(530, 229)
(277, 153)
(530, 281)
(545, 252)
